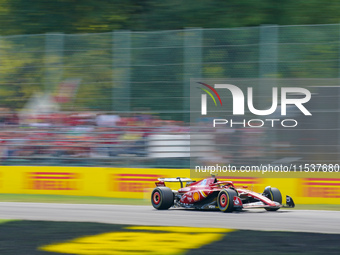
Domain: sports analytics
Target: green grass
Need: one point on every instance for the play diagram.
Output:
(317, 207)
(118, 201)
(4, 221)
(71, 199)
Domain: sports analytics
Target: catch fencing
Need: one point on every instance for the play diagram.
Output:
(133, 74)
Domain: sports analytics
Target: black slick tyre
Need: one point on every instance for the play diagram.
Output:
(225, 200)
(273, 194)
(162, 198)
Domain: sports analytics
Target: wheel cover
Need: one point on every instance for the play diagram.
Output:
(223, 200)
(156, 198)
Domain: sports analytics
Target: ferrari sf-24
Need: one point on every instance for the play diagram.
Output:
(211, 193)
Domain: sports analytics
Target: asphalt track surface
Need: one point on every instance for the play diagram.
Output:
(255, 219)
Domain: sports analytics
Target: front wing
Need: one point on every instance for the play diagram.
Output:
(259, 204)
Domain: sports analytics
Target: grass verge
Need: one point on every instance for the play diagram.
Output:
(317, 207)
(71, 199)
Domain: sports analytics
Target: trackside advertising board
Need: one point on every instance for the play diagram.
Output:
(305, 188)
(82, 181)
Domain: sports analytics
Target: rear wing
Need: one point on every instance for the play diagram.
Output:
(161, 181)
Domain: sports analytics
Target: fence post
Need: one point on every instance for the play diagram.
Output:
(268, 50)
(192, 64)
(268, 54)
(53, 60)
(121, 72)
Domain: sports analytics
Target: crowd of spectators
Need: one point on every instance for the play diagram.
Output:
(96, 138)
(77, 138)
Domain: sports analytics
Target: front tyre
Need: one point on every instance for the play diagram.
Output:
(225, 200)
(162, 198)
(273, 194)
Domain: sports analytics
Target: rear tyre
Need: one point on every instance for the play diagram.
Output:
(225, 200)
(162, 198)
(273, 194)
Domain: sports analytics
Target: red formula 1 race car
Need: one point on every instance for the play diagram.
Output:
(211, 193)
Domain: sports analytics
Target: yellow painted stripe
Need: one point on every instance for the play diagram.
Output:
(144, 240)
(182, 229)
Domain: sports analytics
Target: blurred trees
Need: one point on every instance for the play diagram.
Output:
(157, 59)
(72, 16)
(67, 16)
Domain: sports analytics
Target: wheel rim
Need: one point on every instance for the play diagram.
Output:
(223, 200)
(156, 198)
